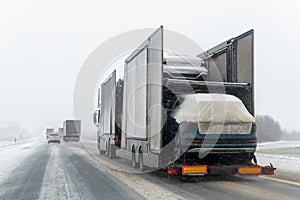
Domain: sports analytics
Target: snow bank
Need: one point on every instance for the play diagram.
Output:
(9, 143)
(281, 163)
(11, 156)
(284, 155)
(279, 144)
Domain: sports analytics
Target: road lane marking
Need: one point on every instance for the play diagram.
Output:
(280, 180)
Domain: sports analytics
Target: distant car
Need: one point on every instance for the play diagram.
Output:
(54, 137)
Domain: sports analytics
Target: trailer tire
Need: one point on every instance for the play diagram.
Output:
(101, 152)
(107, 149)
(99, 147)
(133, 159)
(141, 161)
(110, 151)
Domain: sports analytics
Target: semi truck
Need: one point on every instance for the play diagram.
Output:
(72, 130)
(61, 131)
(49, 131)
(190, 115)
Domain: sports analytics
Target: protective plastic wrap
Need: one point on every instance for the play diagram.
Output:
(215, 114)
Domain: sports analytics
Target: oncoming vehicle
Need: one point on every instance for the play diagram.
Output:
(54, 137)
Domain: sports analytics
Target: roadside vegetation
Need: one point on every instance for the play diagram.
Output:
(268, 129)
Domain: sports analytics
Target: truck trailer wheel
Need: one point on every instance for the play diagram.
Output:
(110, 151)
(107, 149)
(141, 161)
(133, 159)
(100, 151)
(99, 148)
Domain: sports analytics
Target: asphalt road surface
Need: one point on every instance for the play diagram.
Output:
(55, 172)
(284, 185)
(77, 171)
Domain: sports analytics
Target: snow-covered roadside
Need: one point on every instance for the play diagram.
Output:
(11, 156)
(282, 164)
(278, 144)
(10, 142)
(124, 174)
(284, 155)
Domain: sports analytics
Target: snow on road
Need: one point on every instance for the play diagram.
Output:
(12, 155)
(56, 184)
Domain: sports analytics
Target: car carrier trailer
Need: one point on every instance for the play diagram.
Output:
(192, 115)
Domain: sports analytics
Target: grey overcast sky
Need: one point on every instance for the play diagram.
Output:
(44, 43)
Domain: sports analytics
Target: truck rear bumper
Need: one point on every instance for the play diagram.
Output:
(57, 141)
(223, 150)
(200, 170)
(75, 138)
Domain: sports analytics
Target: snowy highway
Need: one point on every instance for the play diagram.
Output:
(55, 172)
(76, 171)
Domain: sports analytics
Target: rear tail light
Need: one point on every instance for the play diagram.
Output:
(191, 123)
(172, 171)
(198, 141)
(116, 139)
(251, 141)
(269, 171)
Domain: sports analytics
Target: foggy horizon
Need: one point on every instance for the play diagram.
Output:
(43, 48)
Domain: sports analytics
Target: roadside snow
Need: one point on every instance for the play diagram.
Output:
(282, 164)
(10, 143)
(278, 144)
(284, 155)
(142, 186)
(11, 156)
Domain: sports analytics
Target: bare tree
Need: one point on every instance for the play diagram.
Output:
(268, 129)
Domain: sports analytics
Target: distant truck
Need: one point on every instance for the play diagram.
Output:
(48, 132)
(191, 115)
(61, 132)
(72, 130)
